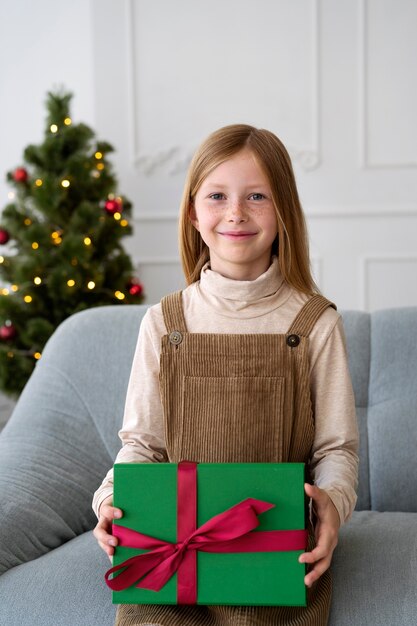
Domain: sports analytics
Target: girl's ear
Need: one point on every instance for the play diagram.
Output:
(192, 215)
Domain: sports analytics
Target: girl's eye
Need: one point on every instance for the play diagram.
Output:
(257, 196)
(216, 196)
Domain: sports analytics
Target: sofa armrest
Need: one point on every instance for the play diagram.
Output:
(51, 460)
(62, 437)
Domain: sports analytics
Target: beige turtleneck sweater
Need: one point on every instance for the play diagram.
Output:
(217, 304)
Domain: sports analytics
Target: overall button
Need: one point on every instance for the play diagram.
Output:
(293, 341)
(175, 337)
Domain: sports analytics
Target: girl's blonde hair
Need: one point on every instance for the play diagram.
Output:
(291, 244)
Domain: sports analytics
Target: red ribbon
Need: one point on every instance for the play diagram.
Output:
(229, 531)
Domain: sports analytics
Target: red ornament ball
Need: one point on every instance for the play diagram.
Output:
(20, 175)
(135, 289)
(113, 206)
(4, 236)
(7, 332)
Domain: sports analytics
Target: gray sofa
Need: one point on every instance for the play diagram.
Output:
(62, 438)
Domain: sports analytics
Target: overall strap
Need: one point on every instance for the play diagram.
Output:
(305, 320)
(173, 312)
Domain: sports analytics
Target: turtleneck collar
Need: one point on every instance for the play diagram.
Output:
(258, 296)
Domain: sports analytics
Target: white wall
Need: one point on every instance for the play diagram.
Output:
(335, 79)
(43, 45)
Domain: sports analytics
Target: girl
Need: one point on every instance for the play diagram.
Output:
(248, 364)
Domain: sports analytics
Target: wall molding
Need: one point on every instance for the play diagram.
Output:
(364, 159)
(157, 260)
(361, 211)
(154, 217)
(365, 263)
(176, 159)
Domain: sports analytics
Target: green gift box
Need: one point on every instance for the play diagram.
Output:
(148, 496)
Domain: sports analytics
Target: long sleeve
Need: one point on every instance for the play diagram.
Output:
(142, 433)
(334, 462)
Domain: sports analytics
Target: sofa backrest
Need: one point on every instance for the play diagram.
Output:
(392, 419)
(95, 349)
(382, 349)
(62, 437)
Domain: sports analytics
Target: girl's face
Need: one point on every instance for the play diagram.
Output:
(234, 214)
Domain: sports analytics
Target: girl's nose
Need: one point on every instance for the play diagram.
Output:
(237, 212)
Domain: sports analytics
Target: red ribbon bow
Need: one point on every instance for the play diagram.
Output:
(229, 531)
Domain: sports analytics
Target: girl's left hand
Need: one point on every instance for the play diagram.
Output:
(326, 532)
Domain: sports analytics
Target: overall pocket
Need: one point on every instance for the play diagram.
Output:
(232, 420)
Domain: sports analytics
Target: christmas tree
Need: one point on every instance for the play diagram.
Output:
(60, 241)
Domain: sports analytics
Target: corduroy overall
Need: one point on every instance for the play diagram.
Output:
(236, 398)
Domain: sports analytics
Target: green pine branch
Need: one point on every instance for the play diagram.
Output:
(65, 253)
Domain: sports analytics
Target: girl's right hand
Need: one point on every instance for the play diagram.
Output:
(102, 532)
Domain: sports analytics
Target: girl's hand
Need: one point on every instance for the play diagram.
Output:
(102, 532)
(326, 532)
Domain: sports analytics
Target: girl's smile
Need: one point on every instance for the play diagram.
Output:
(237, 235)
(235, 215)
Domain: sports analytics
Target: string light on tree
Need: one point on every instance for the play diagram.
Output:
(53, 128)
(56, 237)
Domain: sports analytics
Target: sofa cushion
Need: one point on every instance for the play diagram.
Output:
(377, 553)
(62, 588)
(374, 571)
